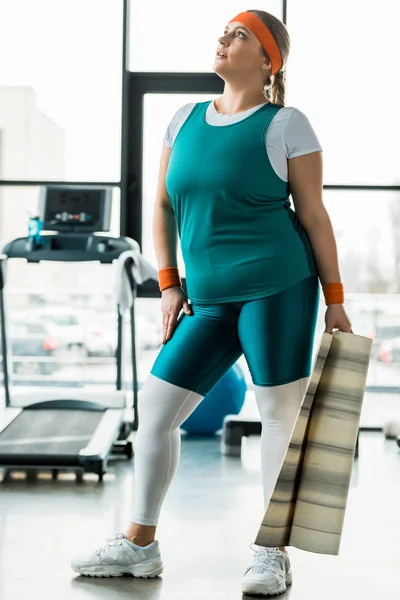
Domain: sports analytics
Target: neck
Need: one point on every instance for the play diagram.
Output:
(238, 99)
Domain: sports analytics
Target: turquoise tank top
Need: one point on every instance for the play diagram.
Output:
(240, 238)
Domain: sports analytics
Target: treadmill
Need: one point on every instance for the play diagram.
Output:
(61, 429)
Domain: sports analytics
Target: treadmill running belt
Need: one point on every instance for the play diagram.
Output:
(49, 431)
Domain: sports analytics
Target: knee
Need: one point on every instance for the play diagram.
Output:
(163, 407)
(280, 403)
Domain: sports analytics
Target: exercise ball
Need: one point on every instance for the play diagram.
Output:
(226, 398)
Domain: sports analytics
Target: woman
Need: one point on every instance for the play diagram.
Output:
(252, 267)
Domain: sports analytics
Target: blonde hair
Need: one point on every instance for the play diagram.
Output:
(275, 86)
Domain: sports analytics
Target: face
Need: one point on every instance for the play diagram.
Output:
(239, 51)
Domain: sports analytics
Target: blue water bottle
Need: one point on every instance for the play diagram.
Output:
(35, 226)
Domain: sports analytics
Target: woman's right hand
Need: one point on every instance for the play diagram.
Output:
(173, 300)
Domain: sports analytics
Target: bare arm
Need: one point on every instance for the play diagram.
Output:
(305, 179)
(165, 235)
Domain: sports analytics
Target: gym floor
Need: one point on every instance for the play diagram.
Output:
(208, 522)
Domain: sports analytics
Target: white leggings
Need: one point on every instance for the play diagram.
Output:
(163, 407)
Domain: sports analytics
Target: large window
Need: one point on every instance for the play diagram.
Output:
(342, 73)
(179, 36)
(60, 120)
(367, 228)
(60, 89)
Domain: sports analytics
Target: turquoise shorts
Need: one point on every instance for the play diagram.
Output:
(275, 334)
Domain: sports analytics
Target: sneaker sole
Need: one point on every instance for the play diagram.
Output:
(117, 572)
(255, 588)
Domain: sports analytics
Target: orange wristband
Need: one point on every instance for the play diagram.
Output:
(169, 277)
(334, 293)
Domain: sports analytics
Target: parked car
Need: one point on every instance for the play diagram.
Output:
(382, 333)
(66, 325)
(148, 332)
(100, 333)
(91, 333)
(30, 342)
(389, 351)
(77, 329)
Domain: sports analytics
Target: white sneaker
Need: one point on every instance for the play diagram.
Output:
(118, 557)
(269, 574)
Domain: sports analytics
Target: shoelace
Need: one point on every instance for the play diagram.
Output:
(265, 558)
(111, 543)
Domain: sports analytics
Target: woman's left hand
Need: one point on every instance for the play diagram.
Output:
(337, 318)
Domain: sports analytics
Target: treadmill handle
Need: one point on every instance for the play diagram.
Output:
(3, 332)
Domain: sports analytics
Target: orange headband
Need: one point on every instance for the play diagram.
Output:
(264, 36)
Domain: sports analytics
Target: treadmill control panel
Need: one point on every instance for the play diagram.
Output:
(71, 208)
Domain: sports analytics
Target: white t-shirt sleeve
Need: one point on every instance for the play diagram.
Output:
(176, 123)
(299, 136)
(290, 134)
